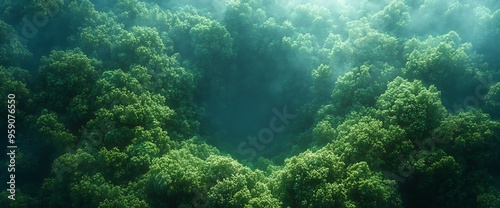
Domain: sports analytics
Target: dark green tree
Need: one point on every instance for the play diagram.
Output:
(64, 75)
(472, 137)
(12, 51)
(492, 100)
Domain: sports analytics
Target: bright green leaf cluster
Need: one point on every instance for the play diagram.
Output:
(411, 106)
(321, 179)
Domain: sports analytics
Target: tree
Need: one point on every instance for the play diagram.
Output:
(393, 19)
(210, 41)
(323, 132)
(15, 82)
(304, 174)
(323, 82)
(99, 40)
(358, 87)
(176, 179)
(489, 199)
(196, 176)
(313, 19)
(366, 139)
(114, 165)
(53, 131)
(411, 106)
(64, 75)
(83, 8)
(492, 100)
(472, 137)
(236, 185)
(439, 181)
(12, 51)
(488, 32)
(443, 58)
(47, 8)
(67, 169)
(137, 46)
(95, 191)
(130, 11)
(366, 188)
(371, 46)
(304, 49)
(122, 104)
(270, 34)
(240, 18)
(321, 179)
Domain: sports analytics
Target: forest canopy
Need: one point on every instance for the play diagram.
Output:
(251, 103)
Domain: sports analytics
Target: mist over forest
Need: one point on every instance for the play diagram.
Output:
(250, 103)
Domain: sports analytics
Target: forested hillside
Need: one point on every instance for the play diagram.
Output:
(251, 103)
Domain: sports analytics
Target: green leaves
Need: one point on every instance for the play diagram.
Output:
(304, 173)
(95, 191)
(371, 46)
(47, 8)
(322, 179)
(65, 75)
(12, 51)
(492, 100)
(123, 107)
(186, 177)
(174, 177)
(68, 168)
(394, 18)
(370, 189)
(305, 47)
(53, 131)
(442, 178)
(15, 81)
(127, 100)
(443, 61)
(471, 136)
(211, 40)
(366, 139)
(413, 107)
(113, 165)
(323, 132)
(313, 18)
(356, 88)
(229, 192)
(490, 199)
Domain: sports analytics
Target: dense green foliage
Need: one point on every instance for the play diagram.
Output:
(253, 103)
